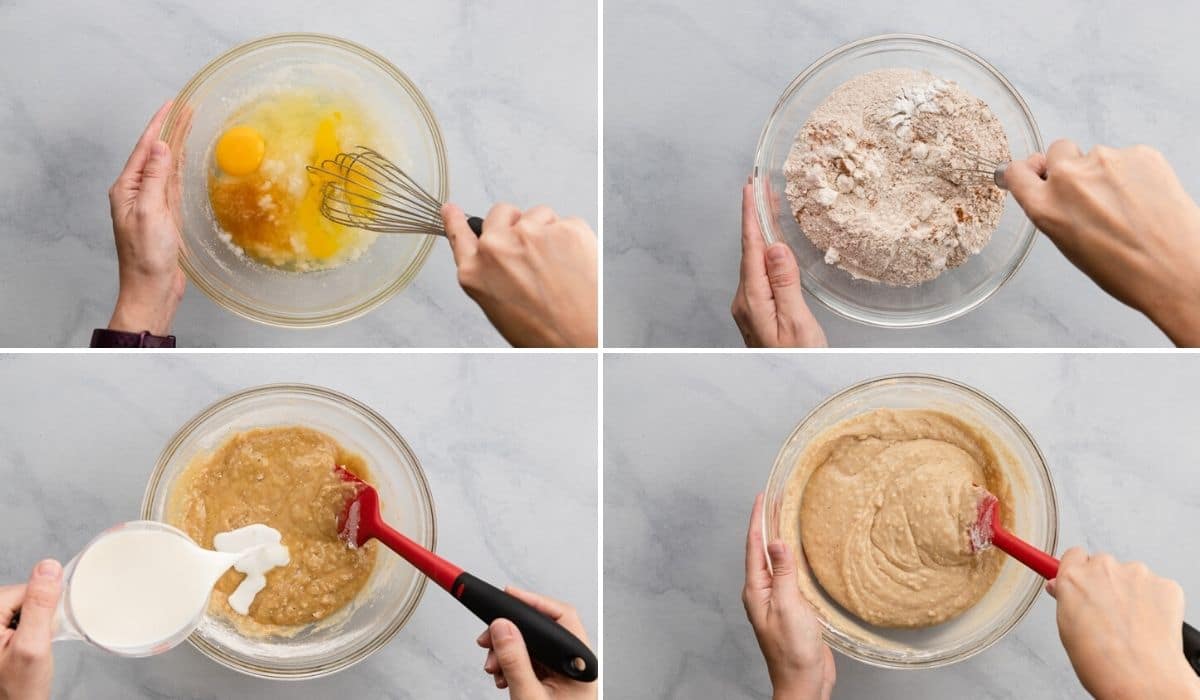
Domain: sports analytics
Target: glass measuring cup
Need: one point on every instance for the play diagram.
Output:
(210, 565)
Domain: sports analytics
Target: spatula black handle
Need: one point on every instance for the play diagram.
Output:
(548, 642)
(476, 225)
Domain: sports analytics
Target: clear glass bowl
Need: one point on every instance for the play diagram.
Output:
(260, 292)
(956, 291)
(392, 593)
(1035, 518)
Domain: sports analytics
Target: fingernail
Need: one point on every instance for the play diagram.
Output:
(502, 630)
(777, 253)
(159, 149)
(48, 568)
(776, 550)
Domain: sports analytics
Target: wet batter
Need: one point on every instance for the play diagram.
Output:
(282, 477)
(888, 497)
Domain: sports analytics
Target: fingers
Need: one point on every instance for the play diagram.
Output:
(37, 608)
(156, 174)
(546, 605)
(10, 603)
(754, 270)
(1073, 557)
(1062, 150)
(757, 574)
(501, 216)
(540, 215)
(1070, 559)
(463, 242)
(783, 274)
(1024, 180)
(556, 610)
(514, 659)
(141, 151)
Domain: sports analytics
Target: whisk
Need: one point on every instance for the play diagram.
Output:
(365, 190)
(978, 171)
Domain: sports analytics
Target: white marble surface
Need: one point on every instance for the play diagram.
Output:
(508, 444)
(689, 85)
(689, 441)
(513, 86)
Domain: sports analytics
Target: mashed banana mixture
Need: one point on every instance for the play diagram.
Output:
(282, 477)
(265, 201)
(884, 502)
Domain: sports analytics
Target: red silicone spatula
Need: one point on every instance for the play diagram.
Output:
(988, 530)
(549, 643)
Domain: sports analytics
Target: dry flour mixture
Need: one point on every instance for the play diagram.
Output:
(867, 181)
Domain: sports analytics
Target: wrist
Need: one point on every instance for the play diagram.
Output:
(134, 314)
(1178, 683)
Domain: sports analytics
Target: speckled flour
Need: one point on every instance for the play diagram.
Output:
(866, 180)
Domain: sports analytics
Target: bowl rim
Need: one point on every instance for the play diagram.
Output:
(439, 147)
(1041, 469)
(156, 481)
(765, 219)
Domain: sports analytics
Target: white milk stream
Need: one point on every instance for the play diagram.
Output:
(142, 587)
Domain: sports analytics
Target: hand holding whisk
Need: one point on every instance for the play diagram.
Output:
(365, 190)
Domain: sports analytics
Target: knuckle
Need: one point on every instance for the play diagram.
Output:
(783, 278)
(25, 653)
(41, 596)
(1148, 152)
(1138, 568)
(467, 276)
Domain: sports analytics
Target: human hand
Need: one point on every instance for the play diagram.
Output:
(799, 663)
(768, 305)
(532, 273)
(1121, 626)
(508, 660)
(1124, 219)
(144, 203)
(26, 665)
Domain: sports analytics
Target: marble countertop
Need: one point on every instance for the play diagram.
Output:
(689, 85)
(514, 90)
(508, 444)
(690, 440)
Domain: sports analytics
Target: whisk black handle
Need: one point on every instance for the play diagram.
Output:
(476, 225)
(1191, 646)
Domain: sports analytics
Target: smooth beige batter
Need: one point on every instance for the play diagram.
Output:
(884, 501)
(282, 477)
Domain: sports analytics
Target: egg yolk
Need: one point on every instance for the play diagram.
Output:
(240, 150)
(263, 197)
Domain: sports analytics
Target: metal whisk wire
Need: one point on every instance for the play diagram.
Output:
(979, 170)
(366, 190)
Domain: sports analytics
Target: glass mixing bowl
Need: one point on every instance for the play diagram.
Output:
(1034, 508)
(392, 593)
(956, 291)
(260, 292)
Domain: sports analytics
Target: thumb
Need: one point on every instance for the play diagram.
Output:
(463, 242)
(1024, 179)
(783, 274)
(157, 172)
(784, 589)
(38, 608)
(514, 661)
